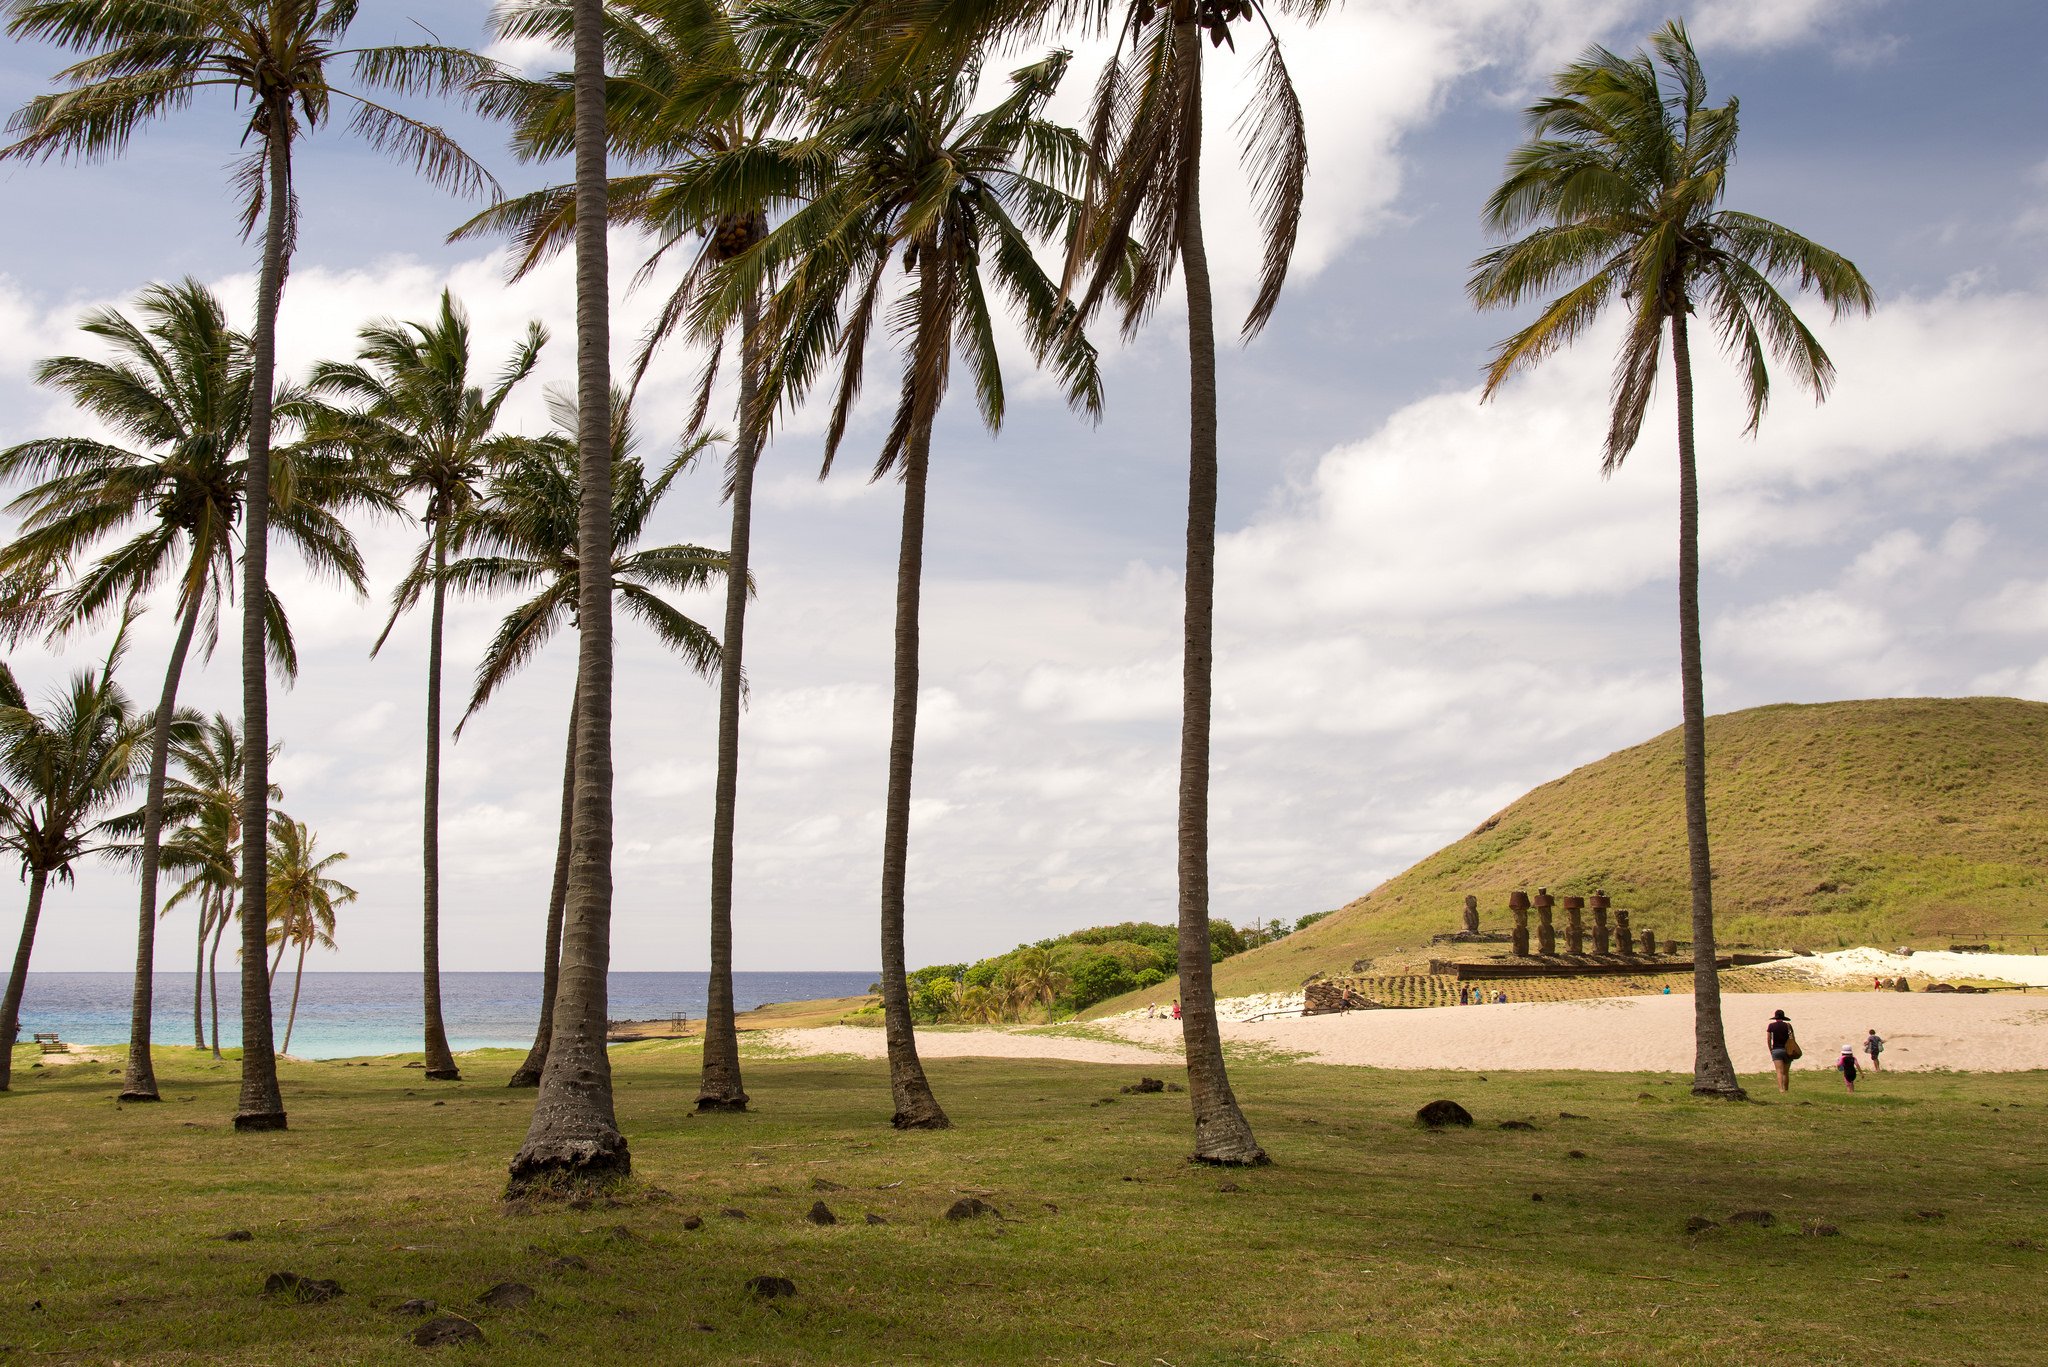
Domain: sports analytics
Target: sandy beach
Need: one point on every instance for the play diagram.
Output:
(2002, 1032)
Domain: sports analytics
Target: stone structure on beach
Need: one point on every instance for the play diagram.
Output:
(1518, 907)
(1601, 935)
(1546, 929)
(1574, 924)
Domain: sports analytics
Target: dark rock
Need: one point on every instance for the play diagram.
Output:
(1535, 1196)
(733, 1213)
(1762, 1219)
(1820, 1229)
(768, 1288)
(300, 1290)
(417, 1307)
(1438, 1114)
(1175, 1087)
(443, 1330)
(822, 1184)
(1146, 1084)
(875, 1219)
(1567, 1115)
(820, 1214)
(1576, 1153)
(237, 1236)
(440, 1103)
(693, 1222)
(1229, 1187)
(1516, 1125)
(1700, 1224)
(507, 1296)
(971, 1208)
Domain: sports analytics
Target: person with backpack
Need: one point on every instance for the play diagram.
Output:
(1784, 1046)
(1873, 1045)
(1846, 1066)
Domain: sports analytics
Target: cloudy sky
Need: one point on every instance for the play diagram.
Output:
(1426, 606)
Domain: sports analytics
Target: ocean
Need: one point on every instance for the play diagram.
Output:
(343, 1015)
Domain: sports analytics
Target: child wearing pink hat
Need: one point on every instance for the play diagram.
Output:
(1846, 1065)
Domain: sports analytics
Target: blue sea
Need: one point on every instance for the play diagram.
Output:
(343, 1015)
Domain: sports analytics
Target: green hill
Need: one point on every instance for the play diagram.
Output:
(1892, 821)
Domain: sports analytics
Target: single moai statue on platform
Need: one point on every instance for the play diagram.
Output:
(1575, 924)
(1602, 940)
(1650, 942)
(1518, 907)
(1671, 946)
(1471, 914)
(1546, 929)
(1624, 938)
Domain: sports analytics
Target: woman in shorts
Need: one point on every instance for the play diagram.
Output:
(1778, 1035)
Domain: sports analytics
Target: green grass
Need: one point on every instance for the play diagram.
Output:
(1370, 1240)
(1894, 821)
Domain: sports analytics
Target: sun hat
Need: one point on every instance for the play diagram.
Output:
(1778, 1016)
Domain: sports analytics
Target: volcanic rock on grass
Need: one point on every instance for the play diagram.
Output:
(820, 1214)
(1700, 1224)
(416, 1307)
(1147, 1084)
(237, 1236)
(770, 1288)
(1820, 1229)
(507, 1296)
(693, 1222)
(1516, 1125)
(971, 1208)
(733, 1213)
(875, 1219)
(825, 1184)
(300, 1290)
(1762, 1219)
(1438, 1114)
(443, 1330)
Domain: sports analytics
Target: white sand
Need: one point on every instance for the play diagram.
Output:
(1999, 1032)
(1852, 965)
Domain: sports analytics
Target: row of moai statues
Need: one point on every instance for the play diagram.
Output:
(1619, 938)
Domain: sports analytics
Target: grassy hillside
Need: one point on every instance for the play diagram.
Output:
(1893, 821)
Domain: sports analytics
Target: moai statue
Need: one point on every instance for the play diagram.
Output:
(1601, 935)
(1518, 906)
(1546, 930)
(1471, 914)
(1624, 938)
(1650, 942)
(1575, 924)
(1671, 946)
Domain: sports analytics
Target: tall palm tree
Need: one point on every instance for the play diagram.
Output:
(145, 60)
(178, 390)
(420, 420)
(692, 100)
(524, 534)
(573, 1140)
(62, 772)
(1621, 179)
(204, 796)
(909, 171)
(302, 899)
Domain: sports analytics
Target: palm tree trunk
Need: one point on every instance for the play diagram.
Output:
(138, 1081)
(719, 1087)
(573, 1140)
(916, 1107)
(1713, 1072)
(199, 976)
(17, 978)
(270, 978)
(528, 1073)
(298, 978)
(1222, 1134)
(223, 914)
(261, 1105)
(440, 1063)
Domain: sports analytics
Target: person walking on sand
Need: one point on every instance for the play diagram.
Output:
(1873, 1045)
(1176, 1009)
(1778, 1035)
(1846, 1066)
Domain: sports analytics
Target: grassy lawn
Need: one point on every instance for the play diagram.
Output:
(1371, 1240)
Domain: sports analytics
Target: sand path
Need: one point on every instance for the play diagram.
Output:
(2003, 1032)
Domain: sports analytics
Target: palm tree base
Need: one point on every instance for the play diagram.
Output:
(1725, 1092)
(732, 1102)
(1226, 1141)
(445, 1075)
(260, 1120)
(139, 1096)
(933, 1119)
(569, 1171)
(525, 1077)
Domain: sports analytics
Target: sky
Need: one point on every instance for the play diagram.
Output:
(1426, 605)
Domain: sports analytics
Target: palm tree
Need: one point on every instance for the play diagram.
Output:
(690, 99)
(1621, 178)
(1037, 981)
(178, 389)
(145, 60)
(61, 772)
(420, 420)
(205, 796)
(525, 536)
(909, 171)
(302, 899)
(573, 1140)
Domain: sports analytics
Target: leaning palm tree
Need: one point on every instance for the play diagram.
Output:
(62, 772)
(910, 172)
(694, 102)
(145, 60)
(302, 899)
(573, 1140)
(419, 419)
(524, 539)
(177, 390)
(1622, 179)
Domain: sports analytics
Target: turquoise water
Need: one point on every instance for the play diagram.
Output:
(342, 1015)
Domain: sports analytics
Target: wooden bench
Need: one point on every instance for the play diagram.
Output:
(51, 1044)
